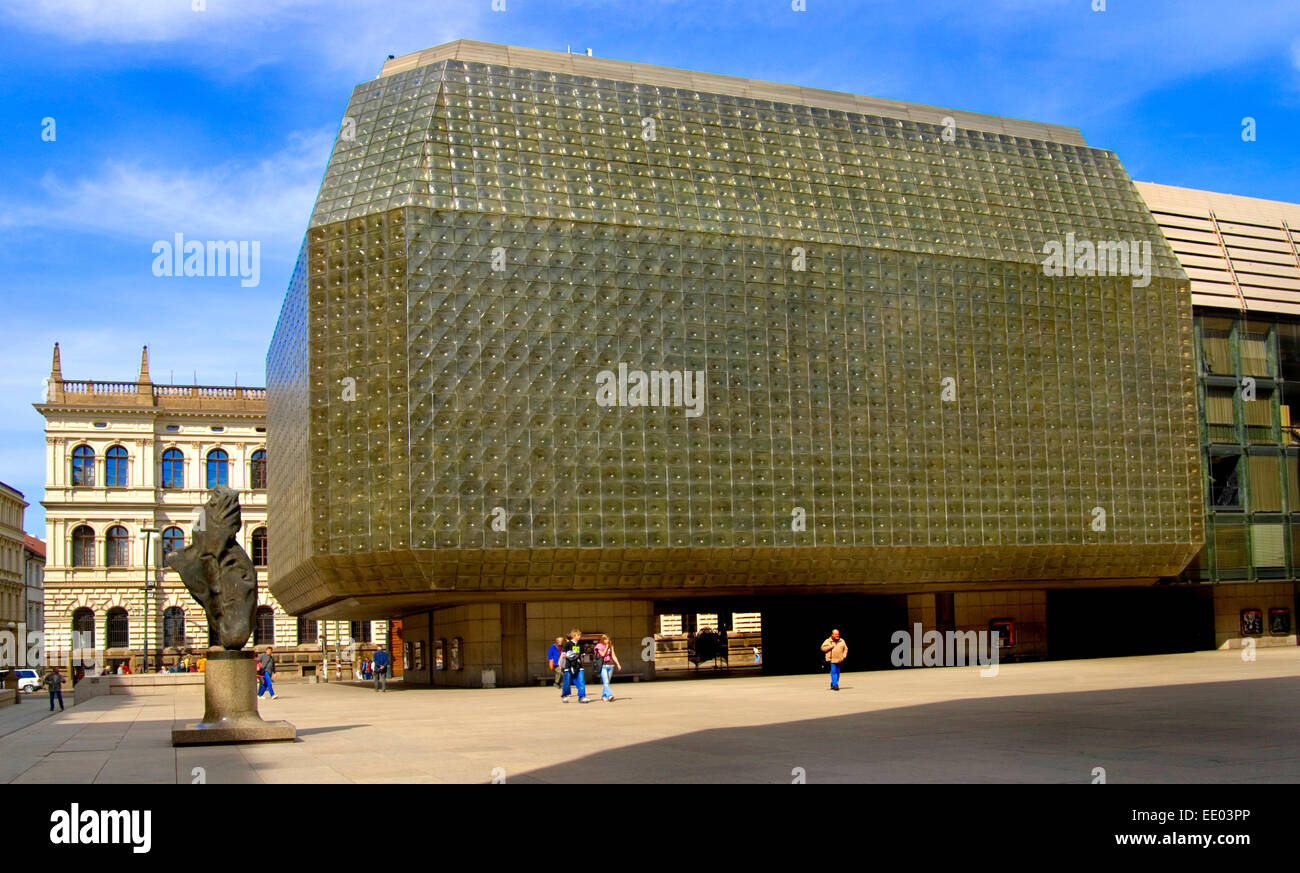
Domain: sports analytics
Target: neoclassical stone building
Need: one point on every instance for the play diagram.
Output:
(34, 569)
(12, 557)
(128, 464)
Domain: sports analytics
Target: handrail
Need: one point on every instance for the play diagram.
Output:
(226, 392)
(207, 392)
(90, 387)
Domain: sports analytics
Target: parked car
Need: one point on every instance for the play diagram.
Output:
(28, 680)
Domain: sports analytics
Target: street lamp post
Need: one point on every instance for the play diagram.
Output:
(149, 584)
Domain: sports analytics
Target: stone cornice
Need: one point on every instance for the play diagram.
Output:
(257, 412)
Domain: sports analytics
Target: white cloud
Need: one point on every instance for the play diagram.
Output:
(128, 20)
(343, 34)
(268, 200)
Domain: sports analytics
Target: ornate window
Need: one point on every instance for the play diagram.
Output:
(264, 632)
(83, 546)
(259, 547)
(115, 467)
(83, 629)
(218, 468)
(117, 547)
(83, 466)
(119, 628)
(173, 627)
(173, 469)
(257, 469)
(173, 538)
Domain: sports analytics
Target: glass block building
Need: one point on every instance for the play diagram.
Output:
(573, 341)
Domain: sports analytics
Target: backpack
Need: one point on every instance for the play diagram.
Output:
(572, 657)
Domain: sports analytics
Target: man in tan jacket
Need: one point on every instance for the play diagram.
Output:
(836, 651)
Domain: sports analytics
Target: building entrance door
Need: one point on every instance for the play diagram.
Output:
(514, 644)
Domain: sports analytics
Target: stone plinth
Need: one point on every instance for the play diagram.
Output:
(230, 706)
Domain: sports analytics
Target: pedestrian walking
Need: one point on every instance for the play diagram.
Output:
(54, 681)
(608, 664)
(836, 651)
(573, 671)
(266, 668)
(553, 660)
(381, 669)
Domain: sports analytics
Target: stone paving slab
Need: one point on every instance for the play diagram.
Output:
(1199, 717)
(34, 708)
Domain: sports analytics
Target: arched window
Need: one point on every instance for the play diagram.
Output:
(173, 469)
(259, 547)
(307, 632)
(218, 468)
(173, 627)
(119, 628)
(83, 629)
(264, 632)
(115, 467)
(257, 469)
(360, 631)
(83, 465)
(117, 547)
(83, 546)
(173, 538)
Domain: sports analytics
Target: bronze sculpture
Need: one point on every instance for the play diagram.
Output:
(220, 576)
(218, 572)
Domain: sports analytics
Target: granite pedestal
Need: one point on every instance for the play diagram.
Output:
(230, 706)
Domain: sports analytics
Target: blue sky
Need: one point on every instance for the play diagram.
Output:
(218, 124)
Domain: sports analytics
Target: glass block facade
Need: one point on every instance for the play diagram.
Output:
(513, 277)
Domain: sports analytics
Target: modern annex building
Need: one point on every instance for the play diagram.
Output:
(1242, 256)
(573, 341)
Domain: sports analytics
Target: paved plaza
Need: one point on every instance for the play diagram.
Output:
(1201, 717)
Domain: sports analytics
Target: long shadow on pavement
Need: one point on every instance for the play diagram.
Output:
(1238, 731)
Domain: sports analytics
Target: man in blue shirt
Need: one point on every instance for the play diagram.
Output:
(381, 669)
(553, 659)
